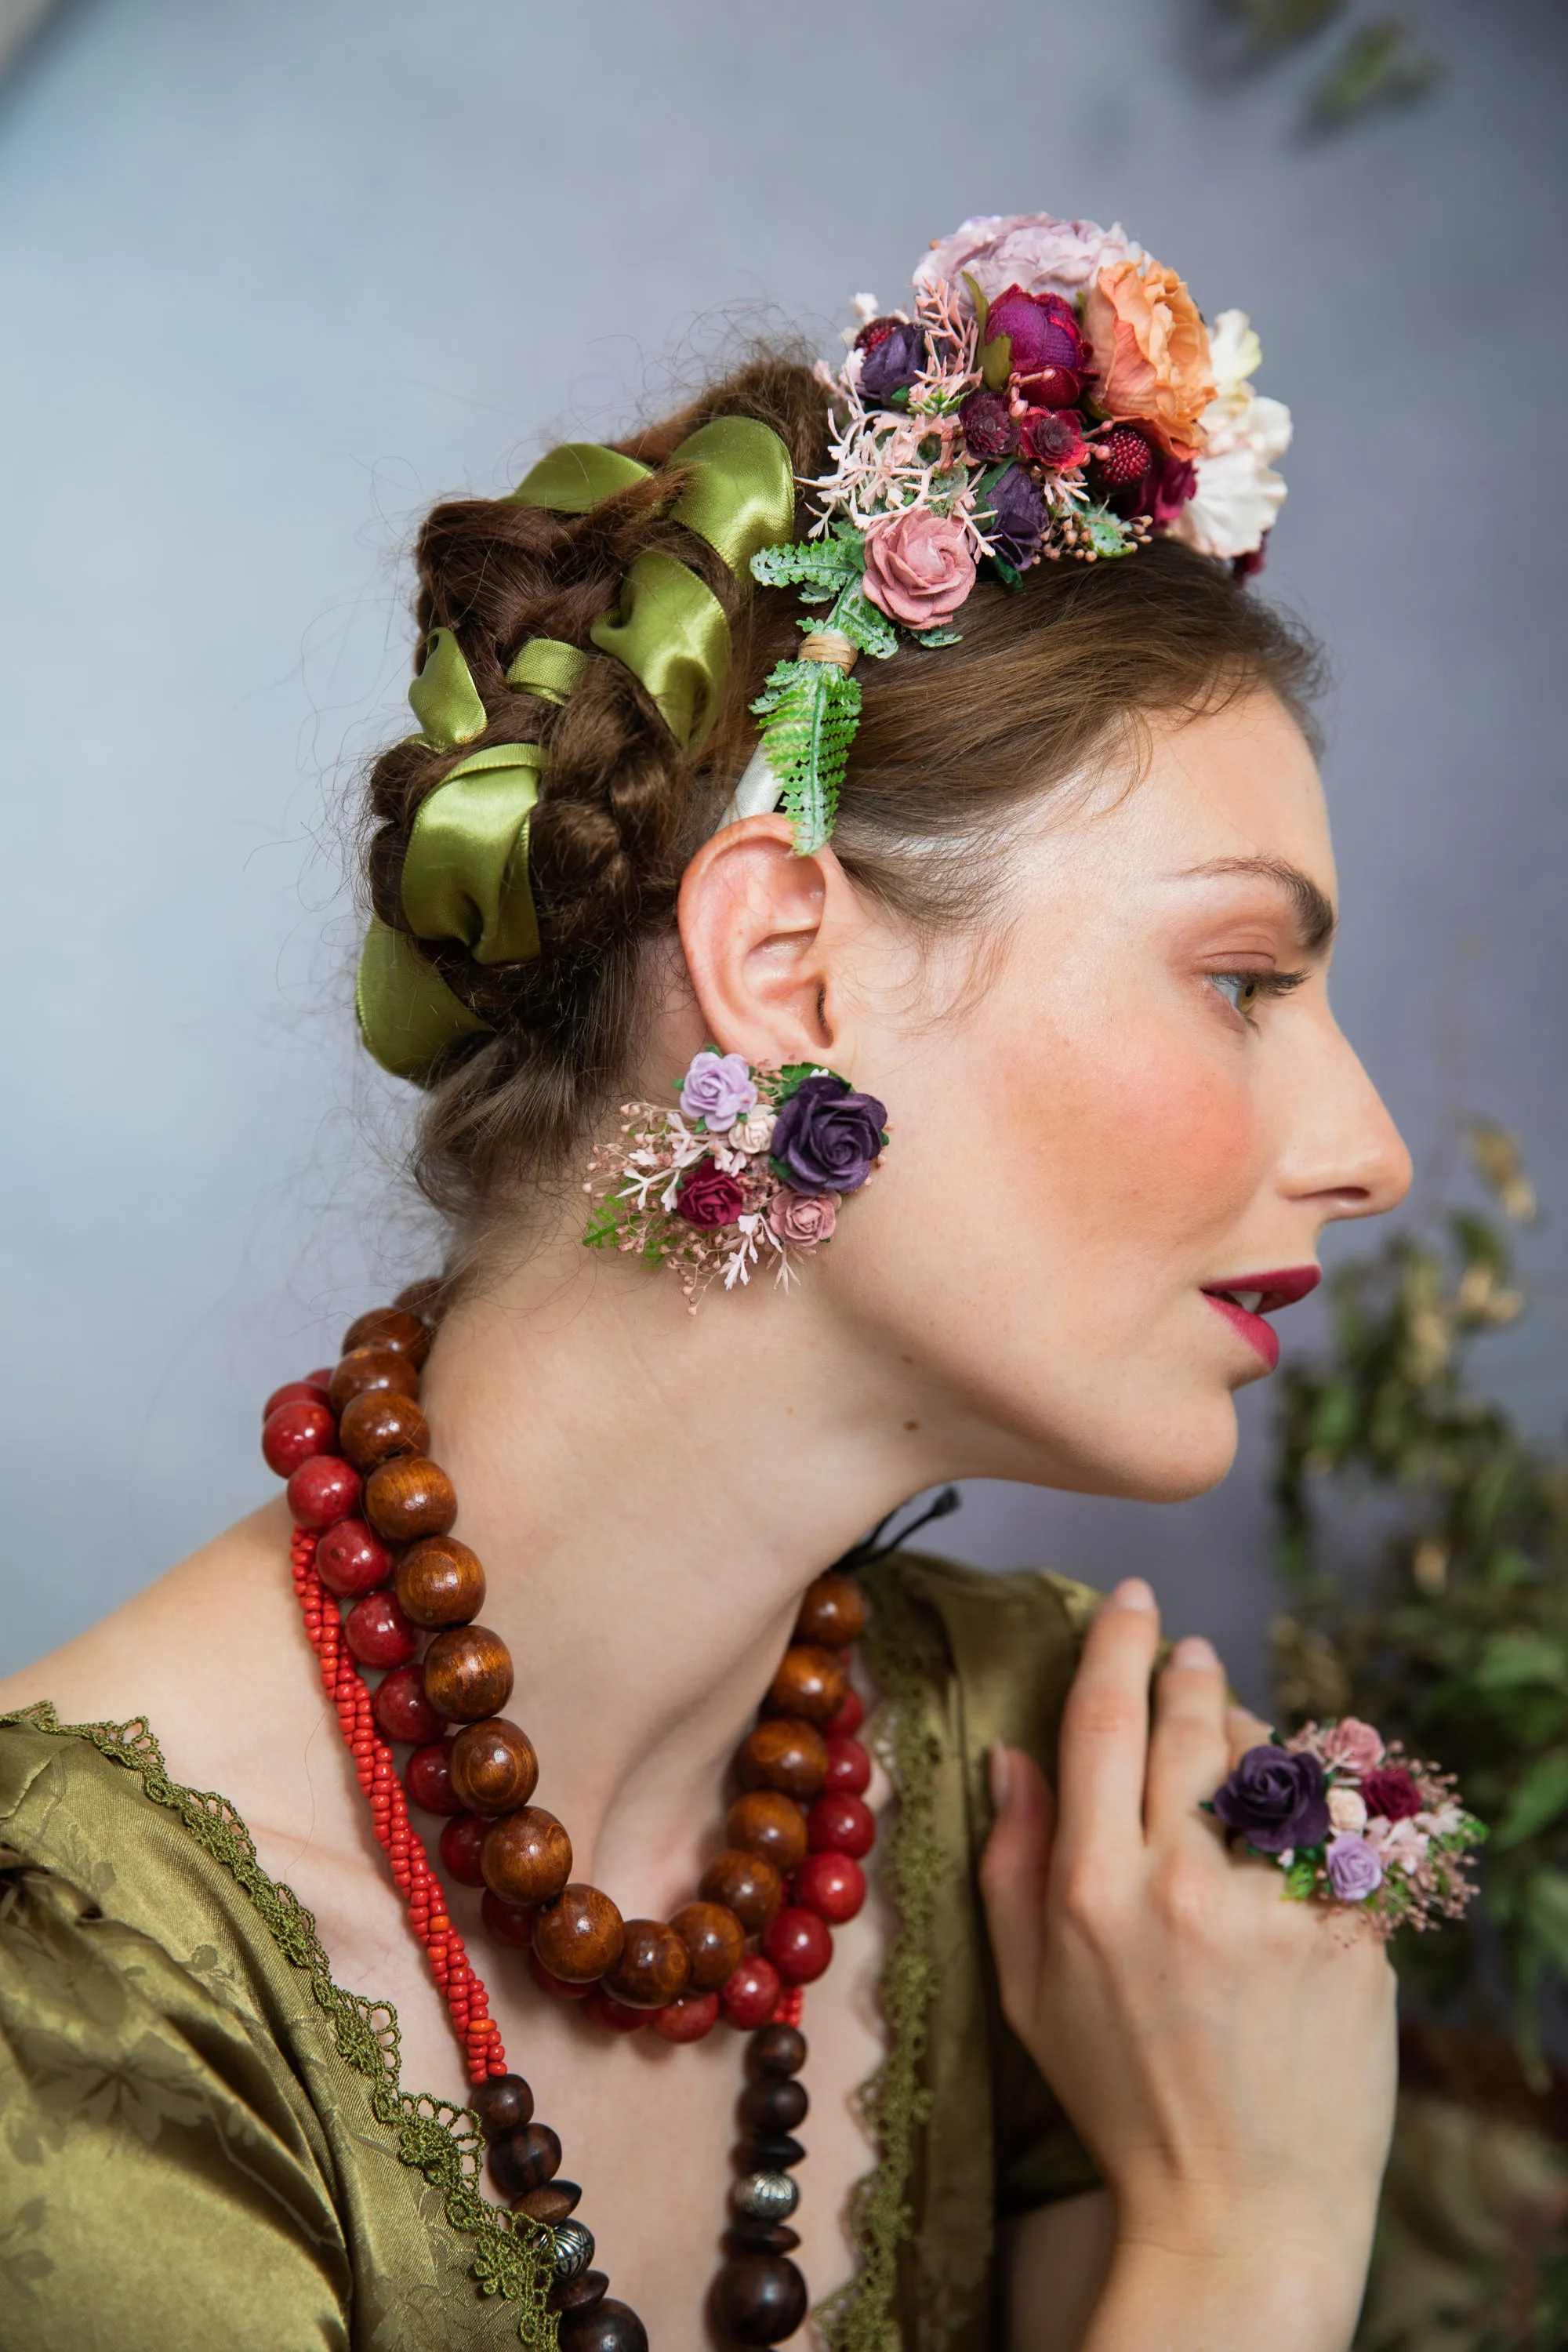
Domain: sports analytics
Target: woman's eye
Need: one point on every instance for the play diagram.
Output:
(1241, 989)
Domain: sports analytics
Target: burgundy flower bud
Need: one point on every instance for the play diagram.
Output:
(709, 1197)
(1124, 457)
(1165, 488)
(1053, 437)
(1053, 387)
(891, 363)
(1042, 332)
(989, 430)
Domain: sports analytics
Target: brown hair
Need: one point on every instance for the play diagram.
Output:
(1065, 668)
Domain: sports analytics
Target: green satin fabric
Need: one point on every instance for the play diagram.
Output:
(187, 2160)
(407, 1016)
(548, 668)
(464, 873)
(443, 698)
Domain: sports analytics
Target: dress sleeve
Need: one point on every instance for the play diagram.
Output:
(161, 2185)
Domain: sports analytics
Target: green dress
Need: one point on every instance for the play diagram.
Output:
(203, 2143)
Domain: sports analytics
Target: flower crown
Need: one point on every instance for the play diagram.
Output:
(1053, 394)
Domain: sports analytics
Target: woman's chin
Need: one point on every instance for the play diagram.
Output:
(1171, 1457)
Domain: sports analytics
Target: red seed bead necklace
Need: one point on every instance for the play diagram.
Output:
(377, 1572)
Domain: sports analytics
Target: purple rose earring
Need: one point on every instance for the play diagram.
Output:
(751, 1161)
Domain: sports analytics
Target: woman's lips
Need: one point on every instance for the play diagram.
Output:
(1248, 1297)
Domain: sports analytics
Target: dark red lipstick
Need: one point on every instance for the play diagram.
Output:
(1246, 1298)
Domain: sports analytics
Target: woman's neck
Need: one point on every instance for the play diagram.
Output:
(651, 1492)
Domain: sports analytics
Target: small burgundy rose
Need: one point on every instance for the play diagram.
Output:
(1392, 1793)
(1276, 1799)
(1053, 437)
(709, 1198)
(989, 430)
(891, 364)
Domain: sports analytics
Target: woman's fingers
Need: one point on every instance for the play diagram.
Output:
(1013, 1873)
(1243, 1729)
(1105, 1728)
(1188, 1752)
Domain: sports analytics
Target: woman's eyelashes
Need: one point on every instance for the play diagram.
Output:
(1244, 990)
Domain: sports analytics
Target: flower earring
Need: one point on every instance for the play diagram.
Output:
(750, 1161)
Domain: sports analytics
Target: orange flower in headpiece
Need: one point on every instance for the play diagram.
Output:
(1151, 351)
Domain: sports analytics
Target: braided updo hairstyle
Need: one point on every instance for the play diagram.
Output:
(1065, 668)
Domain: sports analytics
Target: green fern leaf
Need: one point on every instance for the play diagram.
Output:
(867, 628)
(817, 564)
(810, 711)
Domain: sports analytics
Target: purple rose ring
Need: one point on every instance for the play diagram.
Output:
(1350, 1819)
(751, 1168)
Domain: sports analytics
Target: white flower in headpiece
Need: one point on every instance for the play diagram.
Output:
(1028, 249)
(1238, 495)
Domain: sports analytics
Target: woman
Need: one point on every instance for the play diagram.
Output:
(1046, 959)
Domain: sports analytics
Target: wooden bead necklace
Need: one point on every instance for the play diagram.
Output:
(372, 1518)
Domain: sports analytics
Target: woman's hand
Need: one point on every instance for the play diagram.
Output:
(1227, 2055)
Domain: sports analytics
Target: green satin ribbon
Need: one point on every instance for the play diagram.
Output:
(465, 875)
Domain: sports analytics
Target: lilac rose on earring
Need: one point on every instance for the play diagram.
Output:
(718, 1090)
(827, 1138)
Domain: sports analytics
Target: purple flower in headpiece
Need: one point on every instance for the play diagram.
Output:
(989, 431)
(826, 1138)
(1165, 488)
(891, 363)
(1019, 517)
(1277, 1798)
(1354, 1869)
(718, 1088)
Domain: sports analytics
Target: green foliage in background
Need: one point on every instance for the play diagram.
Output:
(1426, 1542)
(1373, 62)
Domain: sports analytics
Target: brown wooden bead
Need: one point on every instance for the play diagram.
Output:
(606, 2326)
(390, 1327)
(775, 2103)
(526, 1858)
(368, 1368)
(764, 1824)
(501, 2102)
(653, 1967)
(412, 1497)
(580, 1935)
(468, 1674)
(832, 1614)
(715, 1942)
(557, 2201)
(782, 1752)
(760, 2237)
(524, 2159)
(759, 2298)
(440, 1582)
(811, 1682)
(578, 2292)
(493, 1766)
(379, 1425)
(777, 2050)
(744, 1884)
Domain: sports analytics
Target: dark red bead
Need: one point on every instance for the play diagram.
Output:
(557, 1987)
(798, 1945)
(849, 1717)
(378, 1632)
(841, 1825)
(831, 1884)
(758, 2299)
(750, 1997)
(509, 1923)
(350, 1558)
(460, 1841)
(619, 2015)
(324, 1489)
(295, 1392)
(427, 1776)
(296, 1433)
(687, 2018)
(401, 1710)
(848, 1768)
(606, 2326)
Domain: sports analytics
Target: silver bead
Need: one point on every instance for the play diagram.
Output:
(574, 2251)
(766, 2196)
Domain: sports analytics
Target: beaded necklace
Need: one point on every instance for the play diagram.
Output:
(373, 1518)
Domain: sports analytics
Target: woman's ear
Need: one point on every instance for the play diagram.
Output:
(762, 931)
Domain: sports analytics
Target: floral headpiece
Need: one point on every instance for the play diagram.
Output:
(1054, 392)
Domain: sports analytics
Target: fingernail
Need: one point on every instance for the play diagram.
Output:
(1000, 1775)
(1132, 1593)
(1192, 1649)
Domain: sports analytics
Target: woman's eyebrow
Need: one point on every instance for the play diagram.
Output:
(1313, 909)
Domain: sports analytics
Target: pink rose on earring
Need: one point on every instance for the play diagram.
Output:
(803, 1219)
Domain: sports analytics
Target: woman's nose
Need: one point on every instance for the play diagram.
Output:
(1350, 1156)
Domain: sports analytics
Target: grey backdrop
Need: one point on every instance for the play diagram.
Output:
(275, 276)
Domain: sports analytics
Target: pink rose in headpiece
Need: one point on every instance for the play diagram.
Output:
(1151, 351)
(1030, 251)
(920, 566)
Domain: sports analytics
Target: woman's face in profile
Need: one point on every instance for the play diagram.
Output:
(1138, 1114)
